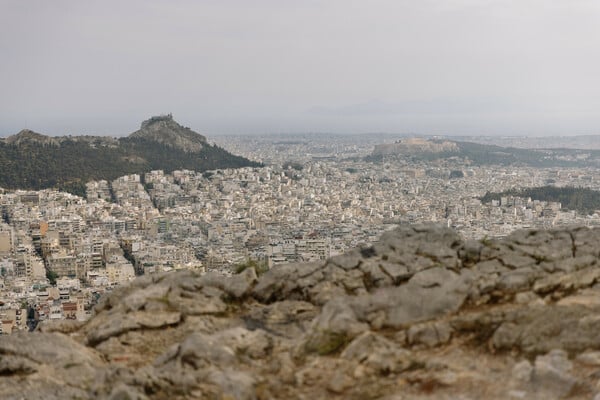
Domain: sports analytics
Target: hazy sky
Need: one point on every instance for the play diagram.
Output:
(528, 67)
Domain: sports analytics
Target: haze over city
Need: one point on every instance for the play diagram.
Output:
(456, 67)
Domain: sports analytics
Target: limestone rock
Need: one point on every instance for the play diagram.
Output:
(427, 295)
(49, 361)
(378, 353)
(333, 328)
(429, 334)
(590, 358)
(237, 286)
(550, 377)
(116, 324)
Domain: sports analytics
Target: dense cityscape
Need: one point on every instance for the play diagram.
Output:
(313, 199)
(354, 200)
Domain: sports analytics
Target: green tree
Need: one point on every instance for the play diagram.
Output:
(259, 266)
(52, 276)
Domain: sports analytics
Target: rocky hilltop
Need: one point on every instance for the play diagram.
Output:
(423, 314)
(29, 136)
(164, 130)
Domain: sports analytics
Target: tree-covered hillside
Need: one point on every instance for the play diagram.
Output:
(69, 164)
(585, 201)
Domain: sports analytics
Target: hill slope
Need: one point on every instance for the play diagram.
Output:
(421, 315)
(30, 160)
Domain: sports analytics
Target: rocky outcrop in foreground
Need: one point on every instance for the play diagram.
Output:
(423, 314)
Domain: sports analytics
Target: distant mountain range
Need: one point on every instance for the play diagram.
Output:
(419, 149)
(29, 160)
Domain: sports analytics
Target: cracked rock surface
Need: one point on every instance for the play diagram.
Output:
(422, 314)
